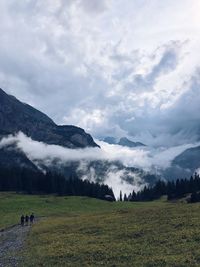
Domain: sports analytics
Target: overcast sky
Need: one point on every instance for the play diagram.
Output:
(113, 67)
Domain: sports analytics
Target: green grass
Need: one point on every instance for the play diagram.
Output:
(12, 206)
(79, 231)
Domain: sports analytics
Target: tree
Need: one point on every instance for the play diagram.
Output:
(29, 181)
(120, 196)
(125, 197)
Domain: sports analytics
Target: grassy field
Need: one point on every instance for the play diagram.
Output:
(78, 231)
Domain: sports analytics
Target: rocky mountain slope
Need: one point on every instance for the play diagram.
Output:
(16, 116)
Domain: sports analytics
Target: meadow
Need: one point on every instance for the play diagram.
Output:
(79, 231)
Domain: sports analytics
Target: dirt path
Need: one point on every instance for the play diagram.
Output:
(11, 241)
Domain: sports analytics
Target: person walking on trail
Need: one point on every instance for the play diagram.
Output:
(22, 220)
(27, 220)
(32, 218)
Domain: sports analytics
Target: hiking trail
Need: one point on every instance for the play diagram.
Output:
(11, 242)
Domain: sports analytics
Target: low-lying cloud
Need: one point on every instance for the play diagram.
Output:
(150, 160)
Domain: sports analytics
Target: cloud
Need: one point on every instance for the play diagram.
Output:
(84, 62)
(145, 158)
(115, 180)
(94, 6)
(39, 152)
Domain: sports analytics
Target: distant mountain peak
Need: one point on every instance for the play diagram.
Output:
(110, 140)
(124, 141)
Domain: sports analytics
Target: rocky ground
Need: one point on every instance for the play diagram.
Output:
(11, 242)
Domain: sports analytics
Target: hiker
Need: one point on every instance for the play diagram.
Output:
(27, 220)
(32, 217)
(22, 220)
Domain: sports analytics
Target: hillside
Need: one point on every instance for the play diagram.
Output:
(76, 231)
(184, 165)
(16, 116)
(189, 159)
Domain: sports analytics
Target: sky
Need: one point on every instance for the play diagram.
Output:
(113, 67)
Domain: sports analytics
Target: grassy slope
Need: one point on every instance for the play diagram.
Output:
(87, 232)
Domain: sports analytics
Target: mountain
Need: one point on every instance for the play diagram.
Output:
(110, 140)
(124, 141)
(189, 159)
(184, 165)
(16, 116)
(11, 157)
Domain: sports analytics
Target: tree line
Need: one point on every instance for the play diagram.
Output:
(34, 182)
(173, 189)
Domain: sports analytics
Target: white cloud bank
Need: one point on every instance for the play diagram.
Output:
(141, 157)
(144, 157)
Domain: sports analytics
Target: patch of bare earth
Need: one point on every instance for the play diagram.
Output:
(11, 242)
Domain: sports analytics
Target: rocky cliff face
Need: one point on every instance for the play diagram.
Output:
(16, 116)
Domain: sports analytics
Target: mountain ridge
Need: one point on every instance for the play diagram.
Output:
(123, 141)
(16, 116)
